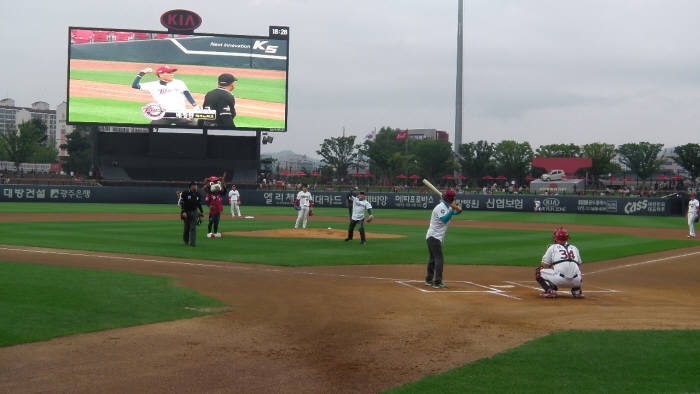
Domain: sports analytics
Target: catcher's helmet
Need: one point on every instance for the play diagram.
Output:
(449, 196)
(560, 235)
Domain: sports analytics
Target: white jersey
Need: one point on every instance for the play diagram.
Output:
(233, 197)
(170, 95)
(563, 259)
(693, 208)
(438, 228)
(359, 207)
(304, 198)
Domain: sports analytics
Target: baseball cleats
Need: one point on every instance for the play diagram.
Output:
(428, 282)
(549, 294)
(440, 286)
(577, 293)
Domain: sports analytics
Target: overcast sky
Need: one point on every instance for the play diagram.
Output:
(542, 71)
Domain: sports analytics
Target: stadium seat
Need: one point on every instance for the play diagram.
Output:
(81, 36)
(101, 36)
(141, 36)
(122, 35)
(162, 35)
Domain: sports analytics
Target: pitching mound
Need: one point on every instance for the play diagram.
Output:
(308, 233)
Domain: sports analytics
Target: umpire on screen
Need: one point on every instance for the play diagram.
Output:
(222, 101)
(190, 202)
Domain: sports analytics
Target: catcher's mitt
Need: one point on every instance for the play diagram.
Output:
(696, 219)
(311, 212)
(183, 215)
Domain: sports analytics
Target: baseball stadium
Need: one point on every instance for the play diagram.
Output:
(98, 292)
(106, 295)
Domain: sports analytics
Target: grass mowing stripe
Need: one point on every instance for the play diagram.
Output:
(580, 362)
(462, 245)
(42, 302)
(262, 89)
(524, 217)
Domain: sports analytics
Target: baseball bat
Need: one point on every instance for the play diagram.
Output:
(431, 187)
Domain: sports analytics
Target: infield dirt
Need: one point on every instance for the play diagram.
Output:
(339, 329)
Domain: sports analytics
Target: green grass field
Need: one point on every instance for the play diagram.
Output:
(601, 361)
(580, 362)
(525, 217)
(262, 89)
(463, 245)
(42, 302)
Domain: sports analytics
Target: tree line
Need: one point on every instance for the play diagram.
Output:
(29, 143)
(386, 158)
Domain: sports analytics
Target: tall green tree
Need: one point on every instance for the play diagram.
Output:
(45, 154)
(434, 158)
(339, 153)
(18, 145)
(641, 158)
(601, 156)
(689, 158)
(476, 160)
(79, 148)
(558, 150)
(388, 157)
(513, 159)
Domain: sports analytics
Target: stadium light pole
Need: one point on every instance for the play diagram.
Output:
(458, 87)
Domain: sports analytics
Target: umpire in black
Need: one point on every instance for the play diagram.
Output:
(222, 101)
(190, 201)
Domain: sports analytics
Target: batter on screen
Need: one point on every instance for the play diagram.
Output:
(560, 267)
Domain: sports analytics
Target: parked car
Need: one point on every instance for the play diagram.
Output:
(554, 175)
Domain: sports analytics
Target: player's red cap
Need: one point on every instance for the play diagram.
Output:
(165, 69)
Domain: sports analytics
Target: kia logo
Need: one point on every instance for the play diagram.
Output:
(180, 20)
(550, 202)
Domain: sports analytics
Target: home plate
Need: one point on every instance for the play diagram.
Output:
(249, 217)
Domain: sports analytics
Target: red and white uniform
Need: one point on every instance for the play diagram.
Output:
(170, 96)
(305, 203)
(216, 202)
(693, 212)
(562, 262)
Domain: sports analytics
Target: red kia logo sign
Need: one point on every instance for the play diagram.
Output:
(183, 21)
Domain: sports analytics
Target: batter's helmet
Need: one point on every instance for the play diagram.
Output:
(449, 196)
(560, 235)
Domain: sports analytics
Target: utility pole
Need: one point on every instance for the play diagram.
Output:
(458, 93)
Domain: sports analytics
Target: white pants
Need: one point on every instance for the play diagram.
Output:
(234, 206)
(552, 276)
(691, 225)
(303, 213)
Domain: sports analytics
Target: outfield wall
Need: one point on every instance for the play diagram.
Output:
(202, 51)
(481, 202)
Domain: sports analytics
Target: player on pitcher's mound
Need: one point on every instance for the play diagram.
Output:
(359, 206)
(169, 93)
(560, 267)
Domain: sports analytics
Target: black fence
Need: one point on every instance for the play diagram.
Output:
(671, 205)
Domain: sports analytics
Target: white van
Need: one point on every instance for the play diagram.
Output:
(554, 175)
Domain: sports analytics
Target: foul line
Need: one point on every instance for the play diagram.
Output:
(642, 263)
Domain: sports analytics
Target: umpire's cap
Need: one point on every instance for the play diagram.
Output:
(226, 79)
